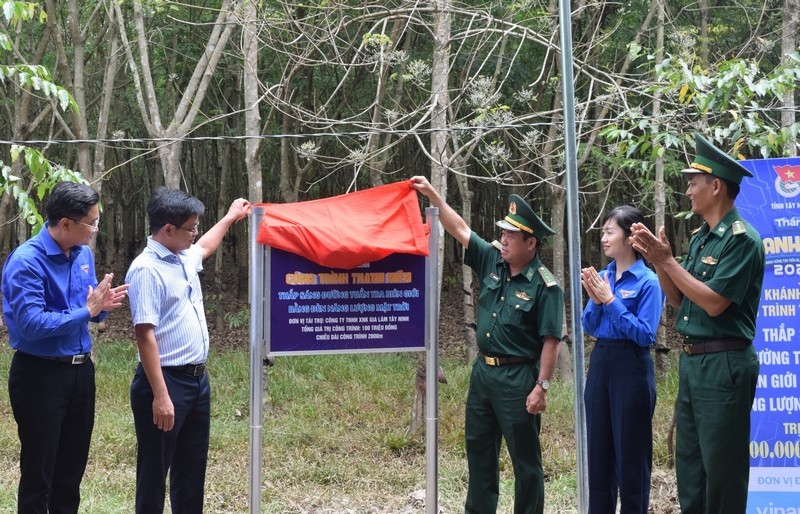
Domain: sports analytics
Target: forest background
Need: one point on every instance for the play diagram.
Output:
(281, 101)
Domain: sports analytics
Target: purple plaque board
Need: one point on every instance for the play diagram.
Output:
(377, 307)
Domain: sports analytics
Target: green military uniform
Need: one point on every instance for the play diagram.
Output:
(716, 389)
(515, 313)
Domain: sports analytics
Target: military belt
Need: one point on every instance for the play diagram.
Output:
(492, 360)
(698, 347)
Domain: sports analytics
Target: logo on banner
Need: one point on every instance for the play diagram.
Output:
(788, 182)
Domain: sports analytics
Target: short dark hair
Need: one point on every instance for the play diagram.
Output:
(625, 216)
(731, 188)
(70, 200)
(172, 206)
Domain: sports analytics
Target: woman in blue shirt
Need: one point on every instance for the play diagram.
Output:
(623, 312)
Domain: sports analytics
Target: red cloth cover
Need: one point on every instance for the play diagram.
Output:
(348, 230)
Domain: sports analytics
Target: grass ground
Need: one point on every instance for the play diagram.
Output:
(335, 442)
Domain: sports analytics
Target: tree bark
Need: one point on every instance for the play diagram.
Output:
(790, 27)
(703, 4)
(188, 108)
(468, 304)
(660, 200)
(440, 99)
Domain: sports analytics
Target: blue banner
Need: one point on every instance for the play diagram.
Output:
(379, 306)
(771, 202)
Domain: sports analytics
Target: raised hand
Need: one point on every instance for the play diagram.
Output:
(104, 297)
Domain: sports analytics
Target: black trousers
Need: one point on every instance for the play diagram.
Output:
(182, 452)
(53, 403)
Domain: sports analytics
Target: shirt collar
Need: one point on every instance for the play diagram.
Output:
(636, 269)
(52, 248)
(724, 224)
(530, 271)
(161, 251)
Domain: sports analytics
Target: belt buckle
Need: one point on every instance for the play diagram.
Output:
(491, 361)
(687, 348)
(199, 370)
(78, 359)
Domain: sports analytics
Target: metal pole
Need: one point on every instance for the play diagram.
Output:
(574, 244)
(432, 364)
(257, 283)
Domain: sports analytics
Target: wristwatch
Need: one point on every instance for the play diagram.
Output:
(544, 383)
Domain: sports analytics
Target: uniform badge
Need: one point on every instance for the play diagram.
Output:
(547, 277)
(494, 277)
(708, 259)
(522, 295)
(721, 230)
(512, 209)
(85, 268)
(625, 293)
(738, 228)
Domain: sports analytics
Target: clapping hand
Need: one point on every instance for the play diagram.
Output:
(598, 288)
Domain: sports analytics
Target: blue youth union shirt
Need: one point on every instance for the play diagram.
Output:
(636, 310)
(44, 297)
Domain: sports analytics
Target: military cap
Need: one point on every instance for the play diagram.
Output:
(521, 217)
(711, 160)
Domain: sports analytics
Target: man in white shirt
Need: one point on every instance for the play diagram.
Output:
(170, 392)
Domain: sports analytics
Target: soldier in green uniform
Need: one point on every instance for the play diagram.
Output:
(716, 290)
(519, 327)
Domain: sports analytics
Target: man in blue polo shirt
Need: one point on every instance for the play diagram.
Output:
(50, 293)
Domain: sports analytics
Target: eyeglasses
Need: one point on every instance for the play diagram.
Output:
(94, 226)
(194, 230)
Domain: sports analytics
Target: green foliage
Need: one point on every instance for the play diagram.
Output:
(400, 443)
(17, 12)
(376, 40)
(736, 96)
(43, 175)
(37, 77)
(239, 319)
(160, 6)
(730, 102)
(28, 76)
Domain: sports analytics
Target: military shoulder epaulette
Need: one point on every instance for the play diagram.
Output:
(547, 277)
(738, 227)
